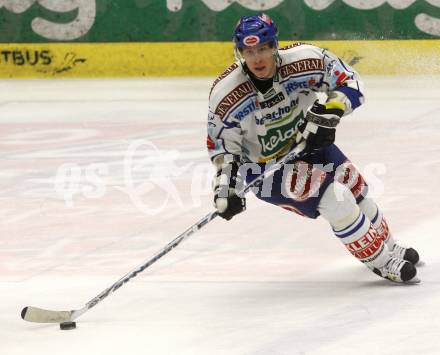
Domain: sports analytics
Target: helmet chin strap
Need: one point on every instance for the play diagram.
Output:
(238, 57)
(277, 57)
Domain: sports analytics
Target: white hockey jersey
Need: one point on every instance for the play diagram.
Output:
(260, 127)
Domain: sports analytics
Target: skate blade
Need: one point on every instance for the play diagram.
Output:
(414, 280)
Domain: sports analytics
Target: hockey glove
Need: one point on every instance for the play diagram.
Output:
(319, 126)
(227, 182)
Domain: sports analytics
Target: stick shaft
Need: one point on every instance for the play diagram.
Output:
(191, 230)
(34, 314)
(170, 246)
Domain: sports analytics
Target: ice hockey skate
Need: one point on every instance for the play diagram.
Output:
(409, 254)
(398, 270)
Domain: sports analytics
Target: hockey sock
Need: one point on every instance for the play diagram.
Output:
(364, 243)
(372, 211)
(352, 226)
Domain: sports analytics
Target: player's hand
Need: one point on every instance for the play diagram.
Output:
(227, 182)
(318, 128)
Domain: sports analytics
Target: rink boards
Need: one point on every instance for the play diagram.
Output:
(81, 60)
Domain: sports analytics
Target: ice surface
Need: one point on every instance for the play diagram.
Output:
(98, 175)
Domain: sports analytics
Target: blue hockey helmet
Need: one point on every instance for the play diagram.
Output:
(253, 30)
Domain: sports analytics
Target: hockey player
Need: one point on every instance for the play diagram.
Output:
(263, 106)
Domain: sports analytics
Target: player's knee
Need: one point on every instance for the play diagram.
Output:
(369, 207)
(348, 175)
(338, 206)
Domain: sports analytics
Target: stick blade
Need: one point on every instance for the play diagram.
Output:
(39, 315)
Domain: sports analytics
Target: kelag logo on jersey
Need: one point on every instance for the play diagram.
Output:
(279, 138)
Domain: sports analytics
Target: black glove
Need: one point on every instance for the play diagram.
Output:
(226, 185)
(318, 128)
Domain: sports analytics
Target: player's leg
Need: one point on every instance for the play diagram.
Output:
(308, 189)
(348, 175)
(355, 230)
(297, 186)
(373, 212)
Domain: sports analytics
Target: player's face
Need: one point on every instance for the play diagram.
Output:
(260, 60)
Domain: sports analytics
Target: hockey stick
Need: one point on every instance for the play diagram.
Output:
(39, 315)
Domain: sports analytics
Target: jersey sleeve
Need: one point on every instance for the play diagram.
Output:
(229, 91)
(223, 136)
(339, 76)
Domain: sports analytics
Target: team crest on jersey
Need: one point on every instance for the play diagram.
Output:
(251, 40)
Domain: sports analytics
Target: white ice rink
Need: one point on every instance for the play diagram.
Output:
(96, 176)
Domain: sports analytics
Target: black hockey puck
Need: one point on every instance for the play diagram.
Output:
(67, 325)
(23, 312)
